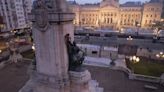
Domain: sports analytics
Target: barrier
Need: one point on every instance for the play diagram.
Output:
(145, 78)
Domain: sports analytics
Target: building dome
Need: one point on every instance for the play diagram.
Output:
(114, 3)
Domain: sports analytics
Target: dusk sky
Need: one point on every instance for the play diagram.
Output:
(94, 1)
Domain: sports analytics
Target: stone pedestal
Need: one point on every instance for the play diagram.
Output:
(81, 82)
(45, 83)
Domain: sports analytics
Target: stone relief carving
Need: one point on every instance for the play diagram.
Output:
(41, 15)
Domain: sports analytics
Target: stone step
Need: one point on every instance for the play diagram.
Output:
(99, 89)
(94, 83)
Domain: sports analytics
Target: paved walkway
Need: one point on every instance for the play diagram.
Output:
(13, 77)
(104, 62)
(96, 61)
(116, 81)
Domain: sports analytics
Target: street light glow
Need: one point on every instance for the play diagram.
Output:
(134, 57)
(162, 56)
(137, 59)
(130, 38)
(157, 56)
(161, 53)
(33, 47)
(131, 58)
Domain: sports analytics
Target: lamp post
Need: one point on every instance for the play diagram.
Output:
(138, 26)
(160, 55)
(134, 60)
(129, 38)
(34, 61)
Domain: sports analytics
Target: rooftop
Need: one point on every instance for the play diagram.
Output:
(131, 4)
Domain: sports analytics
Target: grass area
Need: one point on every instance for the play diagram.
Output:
(29, 54)
(148, 68)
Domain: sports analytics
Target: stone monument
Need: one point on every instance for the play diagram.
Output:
(52, 21)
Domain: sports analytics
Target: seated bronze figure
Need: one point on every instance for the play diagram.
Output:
(75, 54)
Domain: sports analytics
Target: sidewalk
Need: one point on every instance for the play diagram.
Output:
(104, 62)
(95, 61)
(121, 63)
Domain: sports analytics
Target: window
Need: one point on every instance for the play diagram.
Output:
(155, 15)
(147, 15)
(152, 9)
(150, 22)
(145, 21)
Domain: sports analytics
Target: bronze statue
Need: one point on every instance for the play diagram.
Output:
(75, 54)
(48, 4)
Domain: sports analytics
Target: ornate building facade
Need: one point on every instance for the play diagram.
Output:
(111, 14)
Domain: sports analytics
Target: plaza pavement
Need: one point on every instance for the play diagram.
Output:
(14, 76)
(117, 81)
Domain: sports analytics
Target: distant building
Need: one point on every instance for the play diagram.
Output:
(14, 13)
(27, 5)
(111, 14)
(152, 12)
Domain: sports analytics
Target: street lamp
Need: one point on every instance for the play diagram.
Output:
(138, 26)
(134, 59)
(33, 47)
(160, 55)
(129, 38)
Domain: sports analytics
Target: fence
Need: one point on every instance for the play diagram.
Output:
(145, 78)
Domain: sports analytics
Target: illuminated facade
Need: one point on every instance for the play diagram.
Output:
(111, 14)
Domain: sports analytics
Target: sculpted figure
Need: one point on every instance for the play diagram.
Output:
(38, 4)
(75, 54)
(43, 3)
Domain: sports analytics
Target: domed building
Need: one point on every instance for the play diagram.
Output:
(114, 3)
(112, 15)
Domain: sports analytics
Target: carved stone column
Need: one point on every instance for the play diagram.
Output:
(51, 22)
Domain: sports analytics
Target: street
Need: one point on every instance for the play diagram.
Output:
(110, 41)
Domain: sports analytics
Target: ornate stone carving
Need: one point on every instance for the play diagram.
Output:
(41, 15)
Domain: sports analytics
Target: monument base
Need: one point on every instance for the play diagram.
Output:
(45, 83)
(78, 82)
(81, 82)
